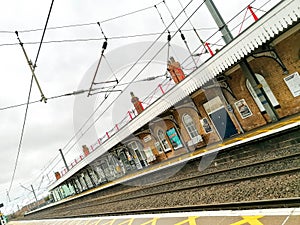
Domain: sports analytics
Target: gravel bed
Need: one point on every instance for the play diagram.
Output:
(208, 179)
(282, 186)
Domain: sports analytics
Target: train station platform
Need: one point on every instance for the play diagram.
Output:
(284, 216)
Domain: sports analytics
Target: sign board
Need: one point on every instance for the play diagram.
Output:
(293, 83)
(243, 108)
(147, 138)
(267, 90)
(213, 105)
(207, 128)
(174, 138)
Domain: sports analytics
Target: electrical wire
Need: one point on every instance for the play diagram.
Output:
(119, 94)
(91, 116)
(99, 39)
(185, 60)
(180, 31)
(21, 138)
(198, 36)
(78, 92)
(81, 24)
(102, 113)
(28, 99)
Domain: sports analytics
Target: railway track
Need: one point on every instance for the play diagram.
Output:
(263, 204)
(239, 186)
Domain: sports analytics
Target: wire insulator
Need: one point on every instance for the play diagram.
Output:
(104, 46)
(182, 36)
(169, 36)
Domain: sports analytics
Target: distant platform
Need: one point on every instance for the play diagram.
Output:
(284, 216)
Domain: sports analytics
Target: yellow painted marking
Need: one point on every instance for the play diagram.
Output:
(110, 222)
(87, 222)
(151, 222)
(128, 222)
(252, 220)
(286, 122)
(98, 222)
(191, 220)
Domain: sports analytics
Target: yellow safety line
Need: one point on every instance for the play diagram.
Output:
(109, 222)
(128, 222)
(152, 221)
(252, 220)
(191, 220)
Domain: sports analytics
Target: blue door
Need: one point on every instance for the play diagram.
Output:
(223, 123)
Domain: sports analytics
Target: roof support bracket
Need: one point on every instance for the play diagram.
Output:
(270, 52)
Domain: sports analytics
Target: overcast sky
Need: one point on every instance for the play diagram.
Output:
(64, 67)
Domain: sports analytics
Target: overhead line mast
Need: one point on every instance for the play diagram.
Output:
(32, 68)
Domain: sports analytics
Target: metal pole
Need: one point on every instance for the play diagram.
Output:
(33, 193)
(227, 36)
(32, 68)
(63, 157)
(248, 73)
(8, 196)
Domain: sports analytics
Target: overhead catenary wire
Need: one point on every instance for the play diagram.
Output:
(194, 29)
(169, 38)
(111, 69)
(99, 39)
(181, 34)
(104, 46)
(93, 23)
(91, 116)
(120, 80)
(80, 92)
(27, 105)
(102, 113)
(230, 20)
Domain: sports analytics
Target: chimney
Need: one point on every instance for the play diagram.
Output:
(137, 104)
(175, 70)
(85, 150)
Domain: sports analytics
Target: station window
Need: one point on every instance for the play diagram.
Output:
(163, 141)
(190, 125)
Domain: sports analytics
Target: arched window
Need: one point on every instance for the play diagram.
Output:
(190, 125)
(163, 141)
(267, 90)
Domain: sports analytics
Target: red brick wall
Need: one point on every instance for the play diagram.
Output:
(288, 50)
